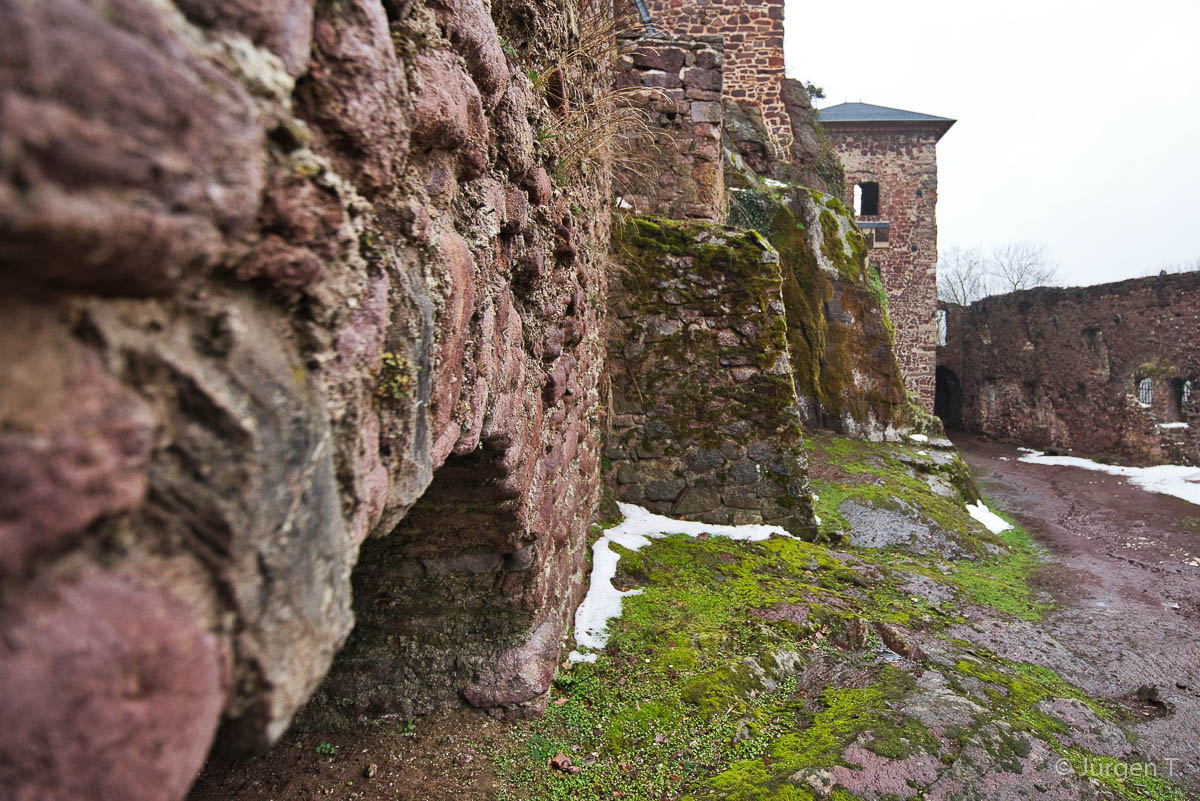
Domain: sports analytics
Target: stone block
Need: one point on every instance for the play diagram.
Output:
(706, 111)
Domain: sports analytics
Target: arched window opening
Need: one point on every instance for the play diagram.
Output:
(1145, 391)
(941, 326)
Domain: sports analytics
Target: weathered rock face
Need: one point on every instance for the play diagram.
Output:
(1062, 369)
(270, 271)
(704, 418)
(840, 337)
(810, 160)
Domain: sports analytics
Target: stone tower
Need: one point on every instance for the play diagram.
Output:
(890, 158)
(753, 34)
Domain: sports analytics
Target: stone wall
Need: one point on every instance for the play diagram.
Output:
(753, 34)
(703, 418)
(903, 161)
(271, 272)
(674, 167)
(1059, 369)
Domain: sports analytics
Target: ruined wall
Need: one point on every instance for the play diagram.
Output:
(1059, 369)
(269, 272)
(753, 34)
(840, 336)
(703, 419)
(903, 161)
(673, 165)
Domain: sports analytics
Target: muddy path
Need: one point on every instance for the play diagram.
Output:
(1128, 602)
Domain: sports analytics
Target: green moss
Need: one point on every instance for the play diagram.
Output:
(397, 377)
(848, 267)
(875, 282)
(686, 259)
(1003, 581)
(715, 682)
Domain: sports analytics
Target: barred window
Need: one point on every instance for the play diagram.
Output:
(1145, 390)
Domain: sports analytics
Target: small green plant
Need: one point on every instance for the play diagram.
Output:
(508, 48)
(327, 749)
(397, 377)
(536, 78)
(408, 728)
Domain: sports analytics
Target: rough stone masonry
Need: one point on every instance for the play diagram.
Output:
(270, 272)
(1106, 371)
(753, 36)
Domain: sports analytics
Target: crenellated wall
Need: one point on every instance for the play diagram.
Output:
(1060, 369)
(274, 277)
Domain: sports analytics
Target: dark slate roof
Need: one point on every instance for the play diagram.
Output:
(865, 112)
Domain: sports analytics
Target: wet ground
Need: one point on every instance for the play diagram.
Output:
(1121, 622)
(1128, 615)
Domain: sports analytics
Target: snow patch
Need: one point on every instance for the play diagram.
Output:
(918, 438)
(990, 520)
(1166, 479)
(1173, 426)
(773, 182)
(603, 601)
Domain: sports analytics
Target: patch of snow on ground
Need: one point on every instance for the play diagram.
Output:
(773, 182)
(918, 438)
(990, 520)
(603, 601)
(1165, 479)
(1173, 426)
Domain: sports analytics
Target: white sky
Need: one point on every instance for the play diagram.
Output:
(1078, 122)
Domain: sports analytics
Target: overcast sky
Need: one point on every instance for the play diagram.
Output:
(1078, 122)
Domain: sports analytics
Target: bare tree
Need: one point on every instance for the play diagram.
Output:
(965, 275)
(1021, 265)
(1176, 267)
(961, 276)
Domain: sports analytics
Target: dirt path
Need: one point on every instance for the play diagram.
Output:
(1129, 604)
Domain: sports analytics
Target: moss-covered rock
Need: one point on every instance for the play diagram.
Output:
(839, 334)
(704, 418)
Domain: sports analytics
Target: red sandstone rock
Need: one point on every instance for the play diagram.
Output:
(281, 263)
(357, 93)
(258, 437)
(128, 155)
(473, 34)
(448, 113)
(111, 692)
(282, 26)
(75, 445)
(1061, 369)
